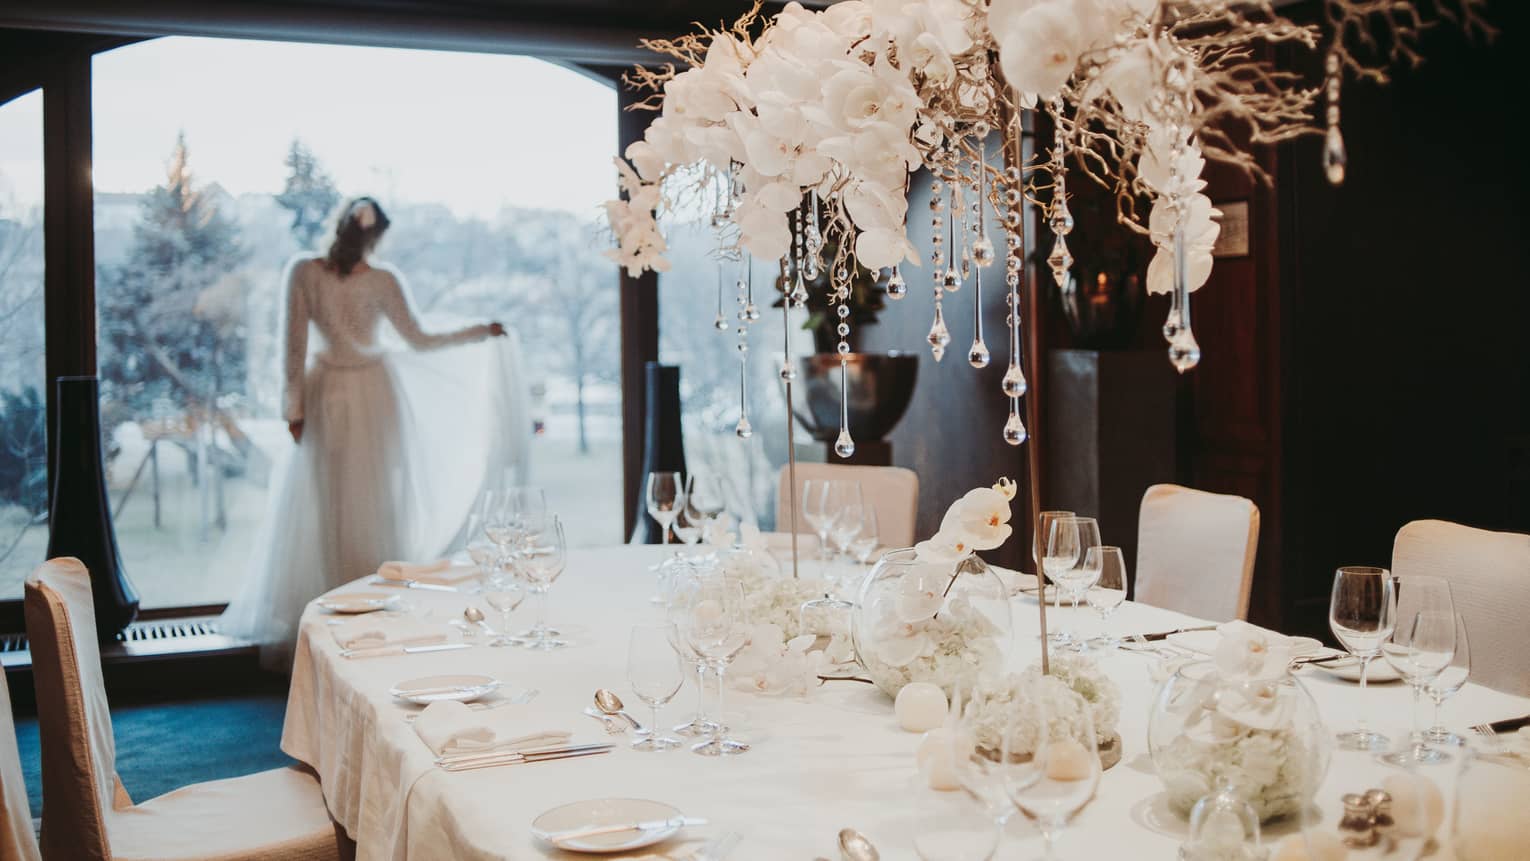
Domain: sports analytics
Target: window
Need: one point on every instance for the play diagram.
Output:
(23, 374)
(217, 161)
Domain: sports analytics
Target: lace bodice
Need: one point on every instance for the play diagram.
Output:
(347, 312)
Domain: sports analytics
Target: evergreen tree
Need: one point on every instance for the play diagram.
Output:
(172, 316)
(309, 194)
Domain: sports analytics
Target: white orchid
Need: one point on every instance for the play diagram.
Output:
(983, 515)
(772, 664)
(1039, 47)
(1248, 652)
(944, 546)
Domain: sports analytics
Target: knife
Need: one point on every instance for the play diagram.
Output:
(411, 584)
(543, 750)
(1510, 724)
(650, 825)
(386, 651)
(520, 759)
(1164, 635)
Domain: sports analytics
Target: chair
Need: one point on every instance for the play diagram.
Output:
(1489, 574)
(277, 815)
(1195, 552)
(892, 490)
(18, 842)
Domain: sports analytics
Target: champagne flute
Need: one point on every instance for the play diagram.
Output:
(1362, 614)
(1109, 589)
(1063, 772)
(653, 671)
(665, 496)
(716, 627)
(1421, 646)
(1450, 680)
(544, 556)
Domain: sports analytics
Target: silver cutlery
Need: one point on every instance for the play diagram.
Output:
(387, 651)
(853, 846)
(474, 616)
(1164, 635)
(1485, 730)
(411, 584)
(611, 704)
(650, 825)
(612, 725)
(470, 763)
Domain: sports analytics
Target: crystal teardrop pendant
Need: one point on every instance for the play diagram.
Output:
(1014, 429)
(1060, 261)
(939, 335)
(720, 324)
(1061, 221)
(751, 312)
(1334, 158)
(951, 281)
(799, 295)
(896, 287)
(744, 430)
(844, 446)
(966, 263)
(1184, 352)
(978, 356)
(1014, 384)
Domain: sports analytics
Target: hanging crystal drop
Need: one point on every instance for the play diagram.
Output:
(1060, 261)
(1334, 158)
(966, 264)
(896, 287)
(799, 291)
(1184, 352)
(950, 281)
(1014, 429)
(1014, 384)
(977, 355)
(720, 323)
(743, 429)
(844, 446)
(982, 251)
(939, 335)
(1061, 221)
(788, 370)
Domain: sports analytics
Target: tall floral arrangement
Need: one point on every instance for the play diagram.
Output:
(809, 124)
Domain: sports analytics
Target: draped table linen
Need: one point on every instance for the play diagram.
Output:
(834, 760)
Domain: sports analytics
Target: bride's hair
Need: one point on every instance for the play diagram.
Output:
(361, 223)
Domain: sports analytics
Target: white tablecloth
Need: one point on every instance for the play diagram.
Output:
(835, 760)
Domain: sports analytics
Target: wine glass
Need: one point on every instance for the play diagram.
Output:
(544, 554)
(848, 507)
(653, 671)
(1109, 589)
(1067, 559)
(1421, 646)
(1064, 769)
(817, 514)
(688, 524)
(1362, 614)
(1038, 555)
(707, 495)
(680, 596)
(665, 496)
(716, 627)
(867, 539)
(1450, 680)
(504, 595)
(483, 552)
(980, 774)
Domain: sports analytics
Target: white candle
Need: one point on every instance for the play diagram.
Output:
(920, 707)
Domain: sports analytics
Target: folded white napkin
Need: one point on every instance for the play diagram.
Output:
(376, 631)
(450, 728)
(441, 572)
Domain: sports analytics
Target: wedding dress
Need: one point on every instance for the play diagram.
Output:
(396, 444)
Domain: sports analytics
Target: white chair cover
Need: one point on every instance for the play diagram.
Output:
(1195, 552)
(892, 490)
(1489, 575)
(17, 841)
(88, 816)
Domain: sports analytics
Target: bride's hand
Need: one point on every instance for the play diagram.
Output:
(296, 429)
(497, 329)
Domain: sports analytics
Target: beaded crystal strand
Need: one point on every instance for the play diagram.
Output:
(1061, 220)
(978, 355)
(744, 429)
(1184, 352)
(1014, 384)
(1334, 158)
(939, 335)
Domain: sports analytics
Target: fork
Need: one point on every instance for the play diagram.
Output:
(1485, 730)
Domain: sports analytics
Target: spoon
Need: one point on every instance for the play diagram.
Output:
(475, 617)
(854, 846)
(608, 702)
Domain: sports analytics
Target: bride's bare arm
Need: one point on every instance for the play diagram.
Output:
(397, 308)
(296, 356)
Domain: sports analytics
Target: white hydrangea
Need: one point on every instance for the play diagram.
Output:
(997, 703)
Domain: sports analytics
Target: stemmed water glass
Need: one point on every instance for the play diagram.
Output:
(867, 539)
(1447, 682)
(980, 774)
(1038, 555)
(543, 556)
(1420, 647)
(665, 497)
(1064, 770)
(817, 513)
(688, 524)
(848, 507)
(715, 626)
(680, 596)
(653, 670)
(1362, 614)
(1109, 589)
(483, 552)
(504, 595)
(706, 495)
(1067, 559)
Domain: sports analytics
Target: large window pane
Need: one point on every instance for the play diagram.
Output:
(217, 161)
(23, 420)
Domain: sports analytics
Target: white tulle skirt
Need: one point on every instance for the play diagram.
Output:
(393, 456)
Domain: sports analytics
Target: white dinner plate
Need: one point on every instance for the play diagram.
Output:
(1349, 670)
(357, 602)
(1205, 642)
(606, 811)
(463, 689)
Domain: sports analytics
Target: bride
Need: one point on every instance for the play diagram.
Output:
(391, 446)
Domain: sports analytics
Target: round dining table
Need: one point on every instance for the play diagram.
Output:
(833, 759)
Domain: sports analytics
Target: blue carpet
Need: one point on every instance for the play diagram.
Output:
(165, 745)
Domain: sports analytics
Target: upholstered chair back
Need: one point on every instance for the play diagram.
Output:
(893, 490)
(1489, 574)
(1195, 552)
(80, 787)
(17, 841)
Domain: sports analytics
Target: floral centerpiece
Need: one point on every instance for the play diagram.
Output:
(937, 613)
(994, 702)
(1239, 722)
